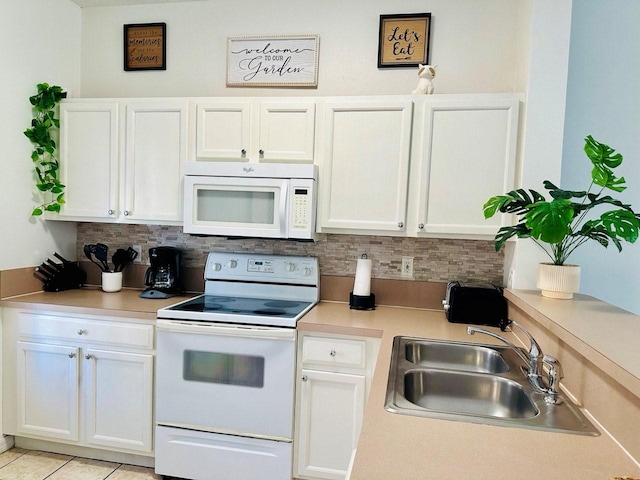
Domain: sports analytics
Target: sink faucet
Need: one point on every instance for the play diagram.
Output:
(534, 360)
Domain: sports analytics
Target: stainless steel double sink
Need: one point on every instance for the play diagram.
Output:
(475, 383)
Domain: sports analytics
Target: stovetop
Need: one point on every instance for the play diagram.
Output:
(252, 289)
(242, 306)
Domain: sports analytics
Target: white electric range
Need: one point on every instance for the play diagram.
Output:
(226, 369)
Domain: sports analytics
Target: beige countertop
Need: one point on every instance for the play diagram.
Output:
(93, 301)
(396, 446)
(393, 446)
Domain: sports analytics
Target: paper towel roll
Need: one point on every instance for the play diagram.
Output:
(362, 285)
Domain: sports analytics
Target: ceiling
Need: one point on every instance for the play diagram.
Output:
(112, 3)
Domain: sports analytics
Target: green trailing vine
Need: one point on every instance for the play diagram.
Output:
(45, 163)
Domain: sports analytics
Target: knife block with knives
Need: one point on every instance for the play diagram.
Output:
(57, 277)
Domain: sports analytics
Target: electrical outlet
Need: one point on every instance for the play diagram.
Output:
(511, 278)
(407, 267)
(138, 249)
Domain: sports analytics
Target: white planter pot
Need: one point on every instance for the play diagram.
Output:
(558, 281)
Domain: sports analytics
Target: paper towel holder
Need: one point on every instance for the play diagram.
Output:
(362, 302)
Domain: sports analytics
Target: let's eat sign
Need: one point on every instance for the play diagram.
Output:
(279, 60)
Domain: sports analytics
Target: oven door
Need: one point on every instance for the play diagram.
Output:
(223, 378)
(233, 206)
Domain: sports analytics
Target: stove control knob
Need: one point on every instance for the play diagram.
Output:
(232, 263)
(290, 266)
(217, 267)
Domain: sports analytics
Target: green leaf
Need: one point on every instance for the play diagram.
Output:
(600, 153)
(550, 221)
(53, 207)
(621, 223)
(505, 233)
(36, 211)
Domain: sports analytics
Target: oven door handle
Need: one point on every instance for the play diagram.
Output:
(247, 331)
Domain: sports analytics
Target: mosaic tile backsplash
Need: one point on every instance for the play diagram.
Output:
(435, 260)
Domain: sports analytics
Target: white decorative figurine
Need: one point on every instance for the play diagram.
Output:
(425, 79)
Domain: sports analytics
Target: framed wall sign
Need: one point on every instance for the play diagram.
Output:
(273, 61)
(403, 40)
(145, 46)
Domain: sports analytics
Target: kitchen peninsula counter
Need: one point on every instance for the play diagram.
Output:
(394, 446)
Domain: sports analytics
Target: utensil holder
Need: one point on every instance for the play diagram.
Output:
(111, 281)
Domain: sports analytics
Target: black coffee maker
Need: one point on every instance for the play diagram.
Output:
(163, 276)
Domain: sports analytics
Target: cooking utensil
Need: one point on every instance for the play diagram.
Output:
(120, 259)
(102, 254)
(88, 252)
(133, 254)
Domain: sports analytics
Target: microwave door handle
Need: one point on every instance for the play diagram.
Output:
(284, 208)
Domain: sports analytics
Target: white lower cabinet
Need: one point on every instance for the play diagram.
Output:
(77, 380)
(334, 376)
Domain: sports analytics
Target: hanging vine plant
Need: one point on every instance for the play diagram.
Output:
(46, 164)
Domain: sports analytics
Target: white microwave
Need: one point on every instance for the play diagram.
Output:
(250, 200)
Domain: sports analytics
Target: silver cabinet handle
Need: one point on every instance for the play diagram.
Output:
(126, 213)
(111, 212)
(243, 151)
(261, 152)
(421, 226)
(332, 353)
(81, 332)
(304, 378)
(400, 224)
(72, 355)
(88, 356)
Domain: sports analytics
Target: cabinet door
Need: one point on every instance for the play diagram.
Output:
(89, 159)
(365, 168)
(287, 131)
(118, 392)
(223, 131)
(332, 406)
(469, 155)
(47, 390)
(156, 147)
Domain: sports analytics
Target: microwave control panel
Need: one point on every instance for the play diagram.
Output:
(301, 209)
(301, 204)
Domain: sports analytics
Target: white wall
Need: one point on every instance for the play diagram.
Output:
(544, 122)
(603, 100)
(479, 45)
(39, 42)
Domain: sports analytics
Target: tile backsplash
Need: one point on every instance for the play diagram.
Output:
(435, 260)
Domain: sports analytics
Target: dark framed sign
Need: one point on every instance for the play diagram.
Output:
(145, 46)
(403, 40)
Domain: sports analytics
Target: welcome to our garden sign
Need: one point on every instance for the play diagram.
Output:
(279, 60)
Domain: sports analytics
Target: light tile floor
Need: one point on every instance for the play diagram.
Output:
(21, 464)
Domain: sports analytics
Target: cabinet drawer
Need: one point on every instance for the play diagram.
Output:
(86, 330)
(332, 351)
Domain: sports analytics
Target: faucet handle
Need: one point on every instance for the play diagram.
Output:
(555, 375)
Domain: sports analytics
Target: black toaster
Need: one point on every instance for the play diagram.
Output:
(475, 303)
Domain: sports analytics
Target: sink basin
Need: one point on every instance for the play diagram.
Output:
(467, 393)
(475, 383)
(456, 356)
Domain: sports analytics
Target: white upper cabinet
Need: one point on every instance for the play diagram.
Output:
(156, 149)
(223, 130)
(122, 160)
(467, 154)
(364, 170)
(244, 130)
(89, 159)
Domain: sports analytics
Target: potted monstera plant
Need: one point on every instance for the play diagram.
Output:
(569, 219)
